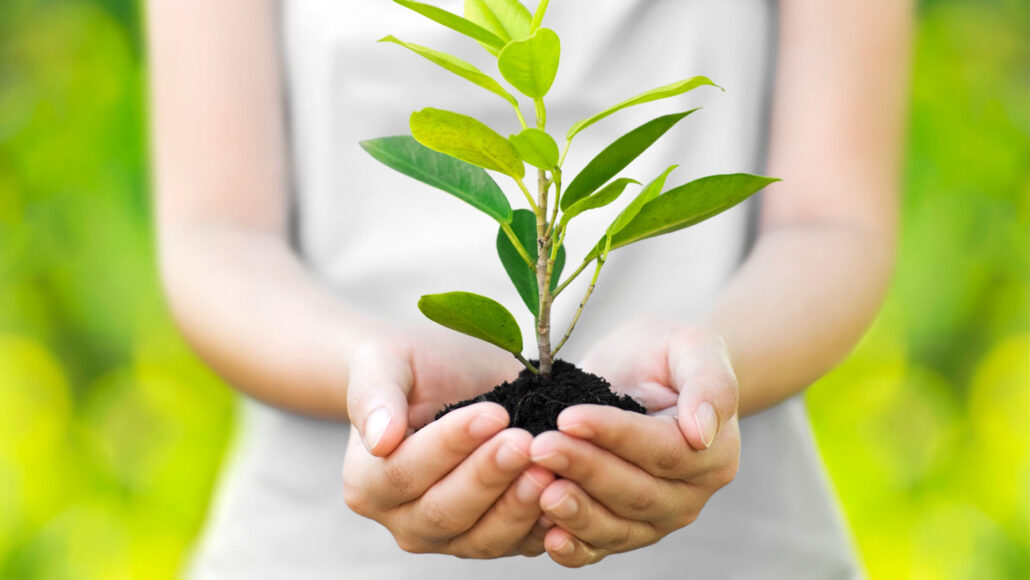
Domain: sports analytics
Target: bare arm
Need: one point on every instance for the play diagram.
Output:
(238, 292)
(825, 252)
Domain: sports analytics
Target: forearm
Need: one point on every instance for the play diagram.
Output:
(798, 305)
(258, 318)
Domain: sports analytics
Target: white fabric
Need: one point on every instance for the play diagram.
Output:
(381, 240)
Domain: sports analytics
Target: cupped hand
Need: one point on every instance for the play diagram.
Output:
(630, 479)
(463, 485)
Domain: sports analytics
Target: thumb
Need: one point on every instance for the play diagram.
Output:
(377, 395)
(708, 394)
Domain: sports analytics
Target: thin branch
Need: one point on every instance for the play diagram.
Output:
(582, 303)
(527, 364)
(568, 281)
(561, 160)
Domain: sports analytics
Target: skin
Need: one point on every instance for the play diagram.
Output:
(802, 299)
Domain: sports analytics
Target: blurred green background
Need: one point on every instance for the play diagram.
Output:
(111, 432)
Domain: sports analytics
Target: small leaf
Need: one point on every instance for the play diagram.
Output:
(530, 65)
(670, 90)
(467, 139)
(607, 195)
(469, 184)
(456, 66)
(522, 276)
(474, 315)
(455, 22)
(508, 19)
(650, 191)
(536, 147)
(689, 204)
(617, 156)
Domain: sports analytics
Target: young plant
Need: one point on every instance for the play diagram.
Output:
(452, 151)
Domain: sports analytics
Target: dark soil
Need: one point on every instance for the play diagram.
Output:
(533, 402)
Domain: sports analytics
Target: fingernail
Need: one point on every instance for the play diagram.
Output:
(509, 457)
(707, 423)
(376, 426)
(565, 509)
(528, 490)
(545, 522)
(566, 548)
(553, 461)
(485, 425)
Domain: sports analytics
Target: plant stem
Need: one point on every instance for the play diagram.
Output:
(543, 278)
(565, 151)
(506, 228)
(529, 196)
(582, 303)
(522, 120)
(556, 178)
(569, 280)
(526, 363)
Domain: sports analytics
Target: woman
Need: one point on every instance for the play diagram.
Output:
(292, 261)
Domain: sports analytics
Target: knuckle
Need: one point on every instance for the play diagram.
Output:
(644, 500)
(356, 499)
(667, 459)
(399, 479)
(483, 549)
(437, 521)
(410, 543)
(620, 537)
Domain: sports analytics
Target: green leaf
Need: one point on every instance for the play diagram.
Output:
(508, 19)
(650, 191)
(456, 66)
(530, 65)
(474, 315)
(538, 16)
(467, 139)
(522, 276)
(689, 204)
(469, 184)
(617, 156)
(536, 147)
(670, 90)
(455, 22)
(607, 195)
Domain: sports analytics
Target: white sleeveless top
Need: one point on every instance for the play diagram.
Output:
(380, 240)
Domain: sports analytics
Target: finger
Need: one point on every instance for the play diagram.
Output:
(423, 458)
(377, 394)
(655, 444)
(565, 549)
(505, 529)
(455, 503)
(622, 487)
(574, 510)
(707, 385)
(533, 544)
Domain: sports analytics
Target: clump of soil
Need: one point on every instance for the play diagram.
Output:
(533, 402)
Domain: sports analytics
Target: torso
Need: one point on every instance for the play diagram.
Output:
(380, 240)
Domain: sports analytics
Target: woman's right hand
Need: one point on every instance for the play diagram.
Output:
(463, 485)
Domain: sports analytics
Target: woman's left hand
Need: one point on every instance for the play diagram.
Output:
(631, 479)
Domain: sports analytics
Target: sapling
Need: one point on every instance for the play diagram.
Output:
(453, 152)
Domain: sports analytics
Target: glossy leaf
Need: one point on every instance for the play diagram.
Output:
(455, 22)
(664, 92)
(689, 204)
(617, 156)
(469, 184)
(474, 315)
(536, 147)
(522, 276)
(607, 195)
(508, 19)
(530, 65)
(456, 66)
(650, 191)
(467, 139)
